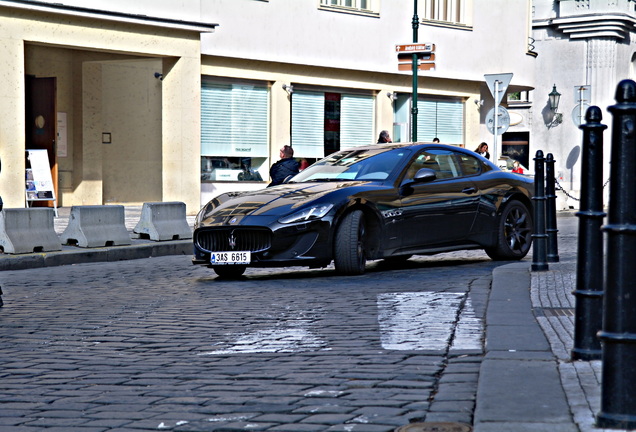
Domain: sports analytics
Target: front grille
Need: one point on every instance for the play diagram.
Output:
(245, 239)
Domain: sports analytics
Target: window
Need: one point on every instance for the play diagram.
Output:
(323, 123)
(440, 119)
(457, 12)
(363, 6)
(234, 131)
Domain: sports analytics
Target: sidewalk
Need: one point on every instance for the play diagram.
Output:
(527, 382)
(139, 248)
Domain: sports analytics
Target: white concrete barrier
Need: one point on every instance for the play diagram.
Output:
(28, 230)
(96, 226)
(163, 221)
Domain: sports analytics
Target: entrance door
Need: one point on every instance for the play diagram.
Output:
(41, 122)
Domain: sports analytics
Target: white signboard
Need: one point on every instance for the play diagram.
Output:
(39, 183)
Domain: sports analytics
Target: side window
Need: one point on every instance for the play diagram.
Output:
(443, 162)
(470, 165)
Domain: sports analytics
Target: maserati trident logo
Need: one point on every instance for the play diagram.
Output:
(232, 240)
(233, 220)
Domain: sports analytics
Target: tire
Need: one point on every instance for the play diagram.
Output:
(350, 255)
(229, 271)
(514, 233)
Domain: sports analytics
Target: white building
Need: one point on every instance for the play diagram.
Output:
(585, 48)
(157, 102)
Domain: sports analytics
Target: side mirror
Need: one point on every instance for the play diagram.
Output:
(425, 175)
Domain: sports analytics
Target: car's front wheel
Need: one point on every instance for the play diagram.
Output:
(229, 271)
(349, 254)
(514, 233)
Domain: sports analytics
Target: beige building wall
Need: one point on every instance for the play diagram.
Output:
(105, 85)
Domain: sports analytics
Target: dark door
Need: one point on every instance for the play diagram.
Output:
(41, 121)
(440, 211)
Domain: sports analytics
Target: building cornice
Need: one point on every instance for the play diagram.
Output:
(75, 11)
(590, 26)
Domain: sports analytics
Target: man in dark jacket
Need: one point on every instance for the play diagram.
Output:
(285, 167)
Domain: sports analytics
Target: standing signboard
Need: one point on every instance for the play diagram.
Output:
(39, 183)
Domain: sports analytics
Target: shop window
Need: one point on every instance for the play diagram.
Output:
(323, 123)
(234, 131)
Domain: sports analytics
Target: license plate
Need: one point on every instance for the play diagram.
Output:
(234, 257)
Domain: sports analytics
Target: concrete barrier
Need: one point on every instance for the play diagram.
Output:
(163, 221)
(28, 230)
(96, 226)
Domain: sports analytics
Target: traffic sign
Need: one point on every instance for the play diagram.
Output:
(503, 120)
(498, 83)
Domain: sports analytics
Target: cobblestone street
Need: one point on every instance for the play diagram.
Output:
(158, 344)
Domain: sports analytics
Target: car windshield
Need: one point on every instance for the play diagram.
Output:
(364, 164)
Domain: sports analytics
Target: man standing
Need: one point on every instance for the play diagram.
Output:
(384, 137)
(285, 167)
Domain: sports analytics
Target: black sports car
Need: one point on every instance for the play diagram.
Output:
(388, 201)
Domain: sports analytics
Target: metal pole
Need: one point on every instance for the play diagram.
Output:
(550, 209)
(618, 337)
(588, 316)
(539, 237)
(416, 25)
(496, 122)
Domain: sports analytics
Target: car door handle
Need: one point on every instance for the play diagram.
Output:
(469, 190)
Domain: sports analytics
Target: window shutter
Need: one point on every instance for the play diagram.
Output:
(308, 124)
(356, 121)
(441, 119)
(234, 120)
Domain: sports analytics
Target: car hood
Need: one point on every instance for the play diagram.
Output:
(232, 208)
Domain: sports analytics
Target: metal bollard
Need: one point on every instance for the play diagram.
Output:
(539, 252)
(588, 317)
(550, 210)
(618, 337)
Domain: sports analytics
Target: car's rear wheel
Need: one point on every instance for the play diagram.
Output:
(229, 271)
(349, 254)
(514, 233)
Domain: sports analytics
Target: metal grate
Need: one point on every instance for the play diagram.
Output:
(553, 312)
(239, 239)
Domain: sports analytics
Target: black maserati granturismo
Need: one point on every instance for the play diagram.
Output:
(385, 201)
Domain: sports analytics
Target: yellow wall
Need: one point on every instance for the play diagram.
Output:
(105, 83)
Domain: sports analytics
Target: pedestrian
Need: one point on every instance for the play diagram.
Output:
(436, 140)
(285, 167)
(516, 167)
(482, 149)
(384, 137)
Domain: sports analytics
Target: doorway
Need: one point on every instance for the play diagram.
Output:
(41, 123)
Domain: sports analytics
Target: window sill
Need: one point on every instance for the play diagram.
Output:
(447, 24)
(350, 11)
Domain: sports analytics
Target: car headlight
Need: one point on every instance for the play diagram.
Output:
(310, 213)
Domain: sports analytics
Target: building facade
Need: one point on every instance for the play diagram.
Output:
(585, 48)
(165, 100)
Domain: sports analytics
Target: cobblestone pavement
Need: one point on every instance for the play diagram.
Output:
(158, 344)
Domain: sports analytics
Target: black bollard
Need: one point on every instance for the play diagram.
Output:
(539, 251)
(588, 317)
(618, 337)
(550, 210)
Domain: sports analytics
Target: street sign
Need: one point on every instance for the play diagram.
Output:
(498, 83)
(415, 48)
(425, 56)
(503, 120)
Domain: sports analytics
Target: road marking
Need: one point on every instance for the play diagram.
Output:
(409, 321)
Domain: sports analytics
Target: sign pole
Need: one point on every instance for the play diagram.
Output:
(416, 25)
(496, 125)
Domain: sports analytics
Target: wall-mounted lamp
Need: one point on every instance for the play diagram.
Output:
(479, 103)
(159, 76)
(288, 88)
(555, 97)
(392, 96)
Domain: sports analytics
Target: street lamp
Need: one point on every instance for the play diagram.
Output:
(555, 97)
